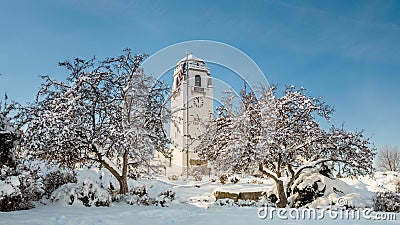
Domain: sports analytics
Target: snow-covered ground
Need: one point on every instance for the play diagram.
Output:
(177, 214)
(194, 204)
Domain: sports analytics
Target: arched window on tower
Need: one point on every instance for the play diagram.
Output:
(197, 81)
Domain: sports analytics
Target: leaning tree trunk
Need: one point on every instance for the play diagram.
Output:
(279, 186)
(122, 178)
(281, 194)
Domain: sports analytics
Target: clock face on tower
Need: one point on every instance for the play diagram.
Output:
(198, 102)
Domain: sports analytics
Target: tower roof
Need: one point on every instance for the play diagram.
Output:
(190, 57)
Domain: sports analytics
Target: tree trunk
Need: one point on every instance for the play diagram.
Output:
(281, 194)
(279, 186)
(123, 185)
(122, 179)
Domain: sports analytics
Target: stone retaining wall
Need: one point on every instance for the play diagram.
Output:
(236, 196)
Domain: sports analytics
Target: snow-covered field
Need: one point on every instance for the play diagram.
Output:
(177, 214)
(194, 204)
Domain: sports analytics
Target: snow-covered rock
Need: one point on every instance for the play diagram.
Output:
(315, 191)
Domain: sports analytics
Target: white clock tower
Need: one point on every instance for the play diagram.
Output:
(192, 101)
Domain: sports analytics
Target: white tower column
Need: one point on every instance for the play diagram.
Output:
(191, 102)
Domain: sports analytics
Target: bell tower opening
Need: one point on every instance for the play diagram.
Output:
(197, 81)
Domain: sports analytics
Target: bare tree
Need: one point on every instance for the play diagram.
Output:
(388, 159)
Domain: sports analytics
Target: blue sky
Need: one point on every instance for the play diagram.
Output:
(345, 51)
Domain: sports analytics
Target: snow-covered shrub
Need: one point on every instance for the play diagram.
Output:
(87, 192)
(239, 203)
(234, 179)
(13, 194)
(307, 188)
(269, 198)
(133, 175)
(137, 196)
(223, 178)
(31, 186)
(387, 202)
(56, 179)
(11, 197)
(173, 177)
(18, 188)
(197, 172)
(246, 202)
(165, 198)
(101, 176)
(140, 196)
(225, 202)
